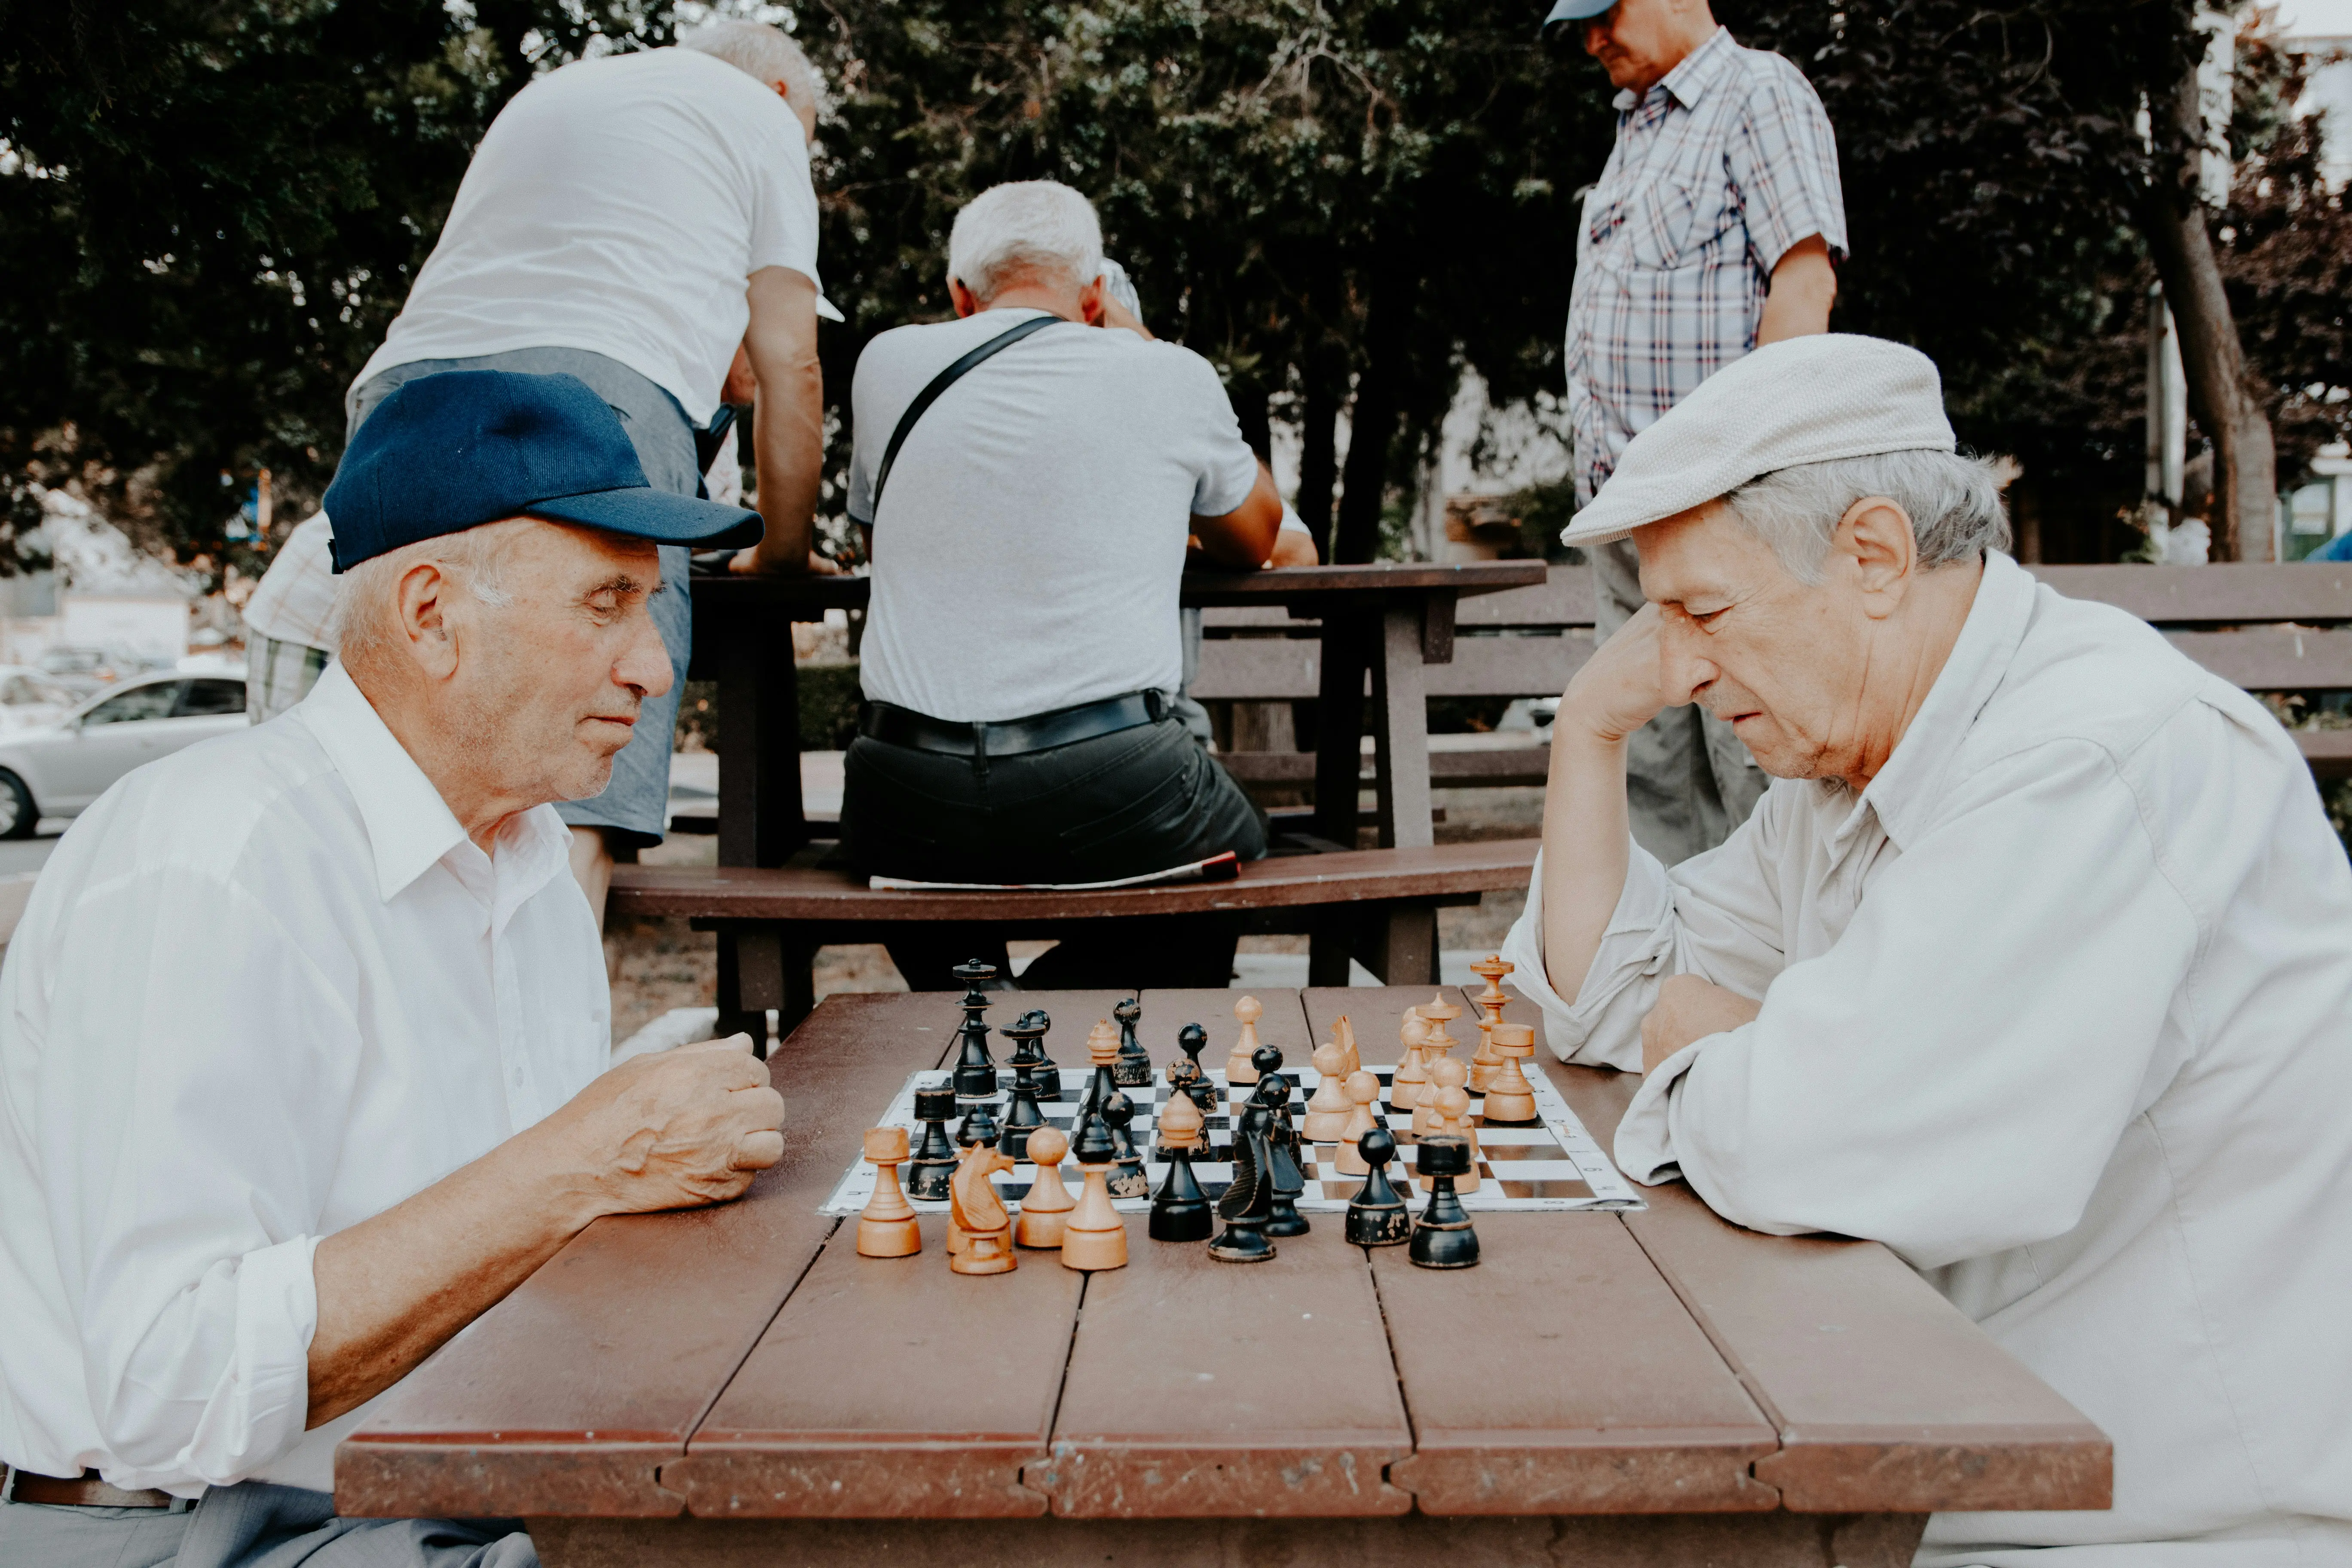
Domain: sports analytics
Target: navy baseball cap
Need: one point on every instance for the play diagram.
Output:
(1574, 11)
(449, 452)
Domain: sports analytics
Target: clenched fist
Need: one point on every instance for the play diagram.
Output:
(682, 1128)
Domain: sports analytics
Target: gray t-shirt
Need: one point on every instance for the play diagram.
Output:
(1032, 536)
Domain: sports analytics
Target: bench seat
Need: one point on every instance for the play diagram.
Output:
(834, 897)
(1378, 906)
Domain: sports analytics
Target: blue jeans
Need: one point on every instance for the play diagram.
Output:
(635, 803)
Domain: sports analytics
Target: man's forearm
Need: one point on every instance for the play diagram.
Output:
(393, 1289)
(1803, 288)
(788, 447)
(1586, 828)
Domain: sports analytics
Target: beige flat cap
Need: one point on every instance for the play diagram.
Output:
(1804, 400)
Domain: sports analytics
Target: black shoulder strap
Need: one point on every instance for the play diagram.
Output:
(941, 382)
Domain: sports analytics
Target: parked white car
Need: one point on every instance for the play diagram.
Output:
(56, 770)
(29, 700)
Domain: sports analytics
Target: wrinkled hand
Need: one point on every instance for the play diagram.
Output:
(675, 1130)
(1622, 686)
(1687, 1009)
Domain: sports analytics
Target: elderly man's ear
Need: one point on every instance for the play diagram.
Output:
(426, 631)
(1875, 537)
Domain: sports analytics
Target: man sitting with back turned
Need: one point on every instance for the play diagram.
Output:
(1028, 530)
(301, 1035)
(2035, 963)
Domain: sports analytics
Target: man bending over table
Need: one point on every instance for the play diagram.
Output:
(301, 1035)
(2034, 964)
(1022, 652)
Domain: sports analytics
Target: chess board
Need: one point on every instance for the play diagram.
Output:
(1552, 1166)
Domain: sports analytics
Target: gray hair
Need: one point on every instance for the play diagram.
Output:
(765, 54)
(366, 619)
(1027, 226)
(1953, 500)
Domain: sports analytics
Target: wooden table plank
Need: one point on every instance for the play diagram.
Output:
(1613, 1401)
(889, 1387)
(1561, 1377)
(1198, 1388)
(569, 1396)
(1887, 1396)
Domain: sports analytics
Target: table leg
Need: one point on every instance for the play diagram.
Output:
(1411, 1541)
(1401, 946)
(1339, 724)
(760, 968)
(760, 816)
(1401, 732)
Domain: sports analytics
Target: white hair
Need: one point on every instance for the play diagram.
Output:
(765, 54)
(1029, 226)
(1953, 500)
(366, 619)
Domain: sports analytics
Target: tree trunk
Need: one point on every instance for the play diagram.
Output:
(2225, 397)
(1388, 336)
(1325, 374)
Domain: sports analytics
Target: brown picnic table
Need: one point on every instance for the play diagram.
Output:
(1384, 620)
(736, 1386)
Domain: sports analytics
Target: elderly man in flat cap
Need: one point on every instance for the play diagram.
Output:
(302, 1036)
(2033, 964)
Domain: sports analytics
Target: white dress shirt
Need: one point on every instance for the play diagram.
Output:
(264, 989)
(2059, 1009)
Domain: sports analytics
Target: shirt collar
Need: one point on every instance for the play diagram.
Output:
(1904, 791)
(1689, 80)
(409, 826)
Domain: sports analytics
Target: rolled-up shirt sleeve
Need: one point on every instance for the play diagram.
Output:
(1782, 157)
(199, 1063)
(1953, 1073)
(1717, 915)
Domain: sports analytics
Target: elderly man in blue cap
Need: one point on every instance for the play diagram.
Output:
(303, 1035)
(1712, 230)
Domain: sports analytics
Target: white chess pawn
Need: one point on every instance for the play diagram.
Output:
(1328, 1107)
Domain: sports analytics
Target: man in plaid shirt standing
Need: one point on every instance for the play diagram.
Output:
(1714, 228)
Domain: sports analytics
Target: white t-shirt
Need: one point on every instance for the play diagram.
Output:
(1032, 535)
(618, 206)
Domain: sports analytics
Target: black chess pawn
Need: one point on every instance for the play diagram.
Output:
(1377, 1215)
(1180, 1212)
(1443, 1239)
(1287, 1180)
(933, 1162)
(978, 1126)
(975, 1072)
(1266, 1059)
(1029, 1048)
(1023, 1117)
(1128, 1181)
(1133, 1068)
(1192, 1039)
(1248, 1200)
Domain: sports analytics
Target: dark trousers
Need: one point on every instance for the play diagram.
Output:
(1118, 806)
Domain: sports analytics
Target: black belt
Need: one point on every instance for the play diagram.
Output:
(85, 1490)
(896, 726)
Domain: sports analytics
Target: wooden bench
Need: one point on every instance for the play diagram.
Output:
(1380, 627)
(2266, 628)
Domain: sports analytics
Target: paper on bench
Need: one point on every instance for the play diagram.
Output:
(1215, 869)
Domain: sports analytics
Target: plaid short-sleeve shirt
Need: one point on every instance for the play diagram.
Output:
(1718, 169)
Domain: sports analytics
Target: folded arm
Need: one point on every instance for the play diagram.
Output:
(1952, 1074)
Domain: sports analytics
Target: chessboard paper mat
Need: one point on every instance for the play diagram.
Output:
(1551, 1166)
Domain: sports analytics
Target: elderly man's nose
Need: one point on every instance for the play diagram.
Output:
(645, 663)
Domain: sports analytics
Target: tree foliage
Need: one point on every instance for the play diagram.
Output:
(217, 207)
